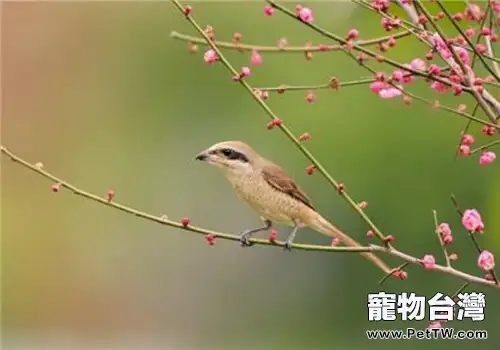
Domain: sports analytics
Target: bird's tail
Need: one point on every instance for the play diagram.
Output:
(320, 224)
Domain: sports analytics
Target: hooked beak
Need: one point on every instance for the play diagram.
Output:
(202, 156)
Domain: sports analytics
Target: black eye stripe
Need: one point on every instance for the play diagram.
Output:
(234, 155)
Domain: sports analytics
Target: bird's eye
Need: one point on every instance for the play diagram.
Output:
(231, 154)
(227, 152)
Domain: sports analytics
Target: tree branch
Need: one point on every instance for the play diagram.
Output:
(163, 220)
(231, 237)
(290, 49)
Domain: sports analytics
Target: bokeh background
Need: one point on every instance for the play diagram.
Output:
(103, 96)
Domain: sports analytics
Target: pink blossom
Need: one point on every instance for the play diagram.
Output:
(487, 158)
(481, 48)
(471, 219)
(353, 34)
(486, 31)
(210, 56)
(245, 71)
(311, 97)
(268, 10)
(434, 69)
(444, 229)
(256, 58)
(305, 14)
(387, 23)
(380, 76)
(473, 12)
(429, 262)
(382, 5)
(377, 86)
(407, 78)
(397, 75)
(448, 239)
(434, 324)
(463, 54)
(458, 16)
(455, 78)
(486, 260)
(467, 139)
(495, 5)
(390, 93)
(469, 32)
(441, 46)
(418, 64)
(439, 87)
(464, 150)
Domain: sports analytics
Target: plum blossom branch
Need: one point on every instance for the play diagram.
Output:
(485, 146)
(426, 36)
(355, 46)
(472, 46)
(417, 31)
(291, 49)
(284, 87)
(476, 227)
(211, 234)
(446, 50)
(480, 97)
(406, 68)
(442, 231)
(332, 84)
(436, 267)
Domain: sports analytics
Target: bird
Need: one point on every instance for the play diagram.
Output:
(274, 195)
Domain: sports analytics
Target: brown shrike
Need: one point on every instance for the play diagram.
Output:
(272, 193)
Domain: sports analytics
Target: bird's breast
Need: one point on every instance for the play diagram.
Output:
(267, 201)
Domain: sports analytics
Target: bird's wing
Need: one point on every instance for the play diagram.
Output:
(277, 178)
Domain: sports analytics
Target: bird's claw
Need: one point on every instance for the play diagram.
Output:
(287, 246)
(244, 240)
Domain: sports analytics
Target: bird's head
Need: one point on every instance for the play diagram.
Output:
(233, 157)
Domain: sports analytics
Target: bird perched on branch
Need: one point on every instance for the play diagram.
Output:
(267, 189)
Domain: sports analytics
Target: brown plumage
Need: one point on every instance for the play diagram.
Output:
(277, 178)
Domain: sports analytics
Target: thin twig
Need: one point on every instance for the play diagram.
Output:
(441, 242)
(290, 49)
(387, 275)
(328, 85)
(464, 131)
(438, 268)
(485, 146)
(284, 87)
(460, 290)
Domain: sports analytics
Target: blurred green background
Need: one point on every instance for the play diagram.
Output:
(103, 96)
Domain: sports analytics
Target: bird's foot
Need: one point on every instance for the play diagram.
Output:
(288, 245)
(244, 239)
